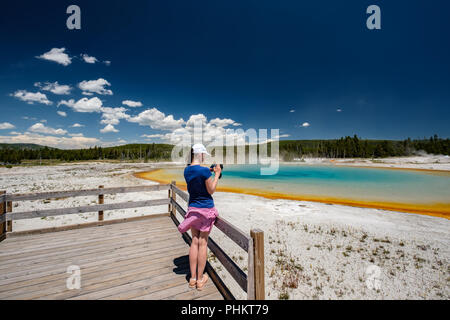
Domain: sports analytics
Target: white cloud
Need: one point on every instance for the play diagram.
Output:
(292, 111)
(95, 86)
(6, 125)
(196, 119)
(223, 122)
(76, 135)
(339, 110)
(152, 136)
(54, 87)
(89, 59)
(210, 130)
(113, 115)
(156, 119)
(57, 55)
(31, 97)
(132, 104)
(62, 113)
(77, 125)
(41, 128)
(52, 141)
(305, 124)
(107, 62)
(109, 128)
(84, 104)
(43, 121)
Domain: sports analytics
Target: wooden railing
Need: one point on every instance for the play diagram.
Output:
(252, 283)
(7, 216)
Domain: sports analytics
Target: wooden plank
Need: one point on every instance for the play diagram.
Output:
(87, 192)
(163, 291)
(211, 296)
(251, 271)
(185, 293)
(258, 244)
(83, 209)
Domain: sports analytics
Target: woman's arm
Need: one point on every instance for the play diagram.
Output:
(211, 183)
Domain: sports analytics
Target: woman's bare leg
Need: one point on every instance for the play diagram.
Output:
(193, 252)
(202, 251)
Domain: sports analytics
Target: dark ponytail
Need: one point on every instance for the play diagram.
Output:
(191, 157)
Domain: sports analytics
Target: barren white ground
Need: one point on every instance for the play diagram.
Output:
(312, 250)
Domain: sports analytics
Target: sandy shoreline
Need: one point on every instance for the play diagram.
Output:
(313, 250)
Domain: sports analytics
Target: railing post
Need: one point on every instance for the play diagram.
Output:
(3, 216)
(100, 201)
(251, 271)
(173, 196)
(169, 194)
(9, 223)
(258, 292)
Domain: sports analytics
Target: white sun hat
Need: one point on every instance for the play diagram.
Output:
(199, 148)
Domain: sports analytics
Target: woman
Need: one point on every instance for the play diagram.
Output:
(201, 213)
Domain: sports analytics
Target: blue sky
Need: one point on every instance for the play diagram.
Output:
(233, 64)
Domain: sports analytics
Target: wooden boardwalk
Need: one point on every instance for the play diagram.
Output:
(145, 259)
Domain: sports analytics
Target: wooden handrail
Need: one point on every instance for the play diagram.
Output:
(79, 193)
(183, 195)
(83, 209)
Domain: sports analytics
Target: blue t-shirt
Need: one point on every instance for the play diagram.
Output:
(199, 196)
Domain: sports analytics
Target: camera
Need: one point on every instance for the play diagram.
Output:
(212, 169)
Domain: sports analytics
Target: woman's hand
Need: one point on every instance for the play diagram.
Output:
(217, 170)
(211, 183)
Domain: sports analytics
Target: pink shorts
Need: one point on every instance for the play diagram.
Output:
(199, 218)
